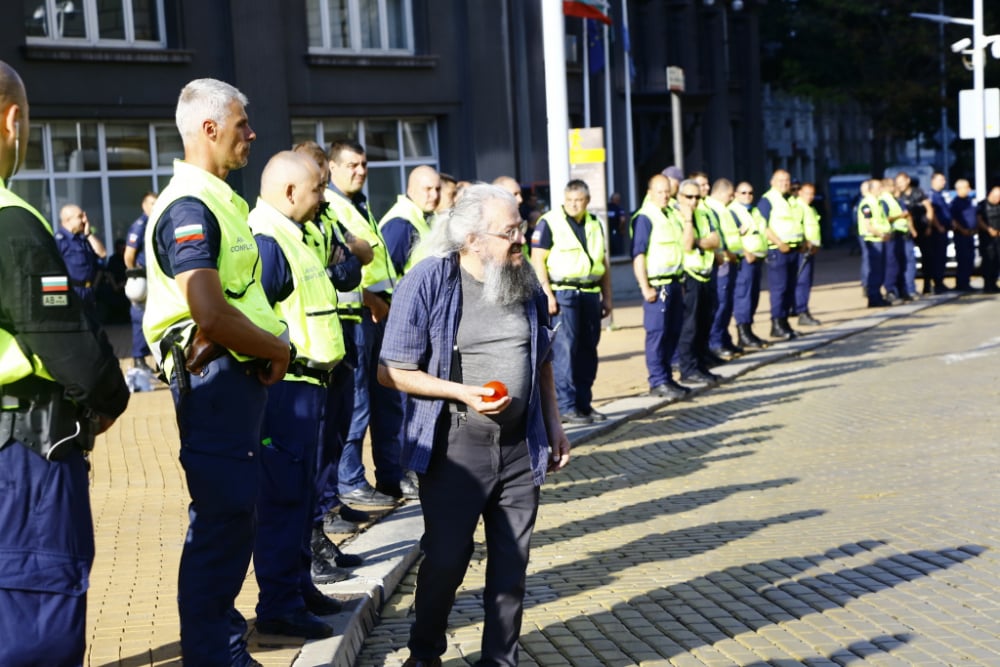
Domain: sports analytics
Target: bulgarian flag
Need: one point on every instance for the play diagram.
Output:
(587, 9)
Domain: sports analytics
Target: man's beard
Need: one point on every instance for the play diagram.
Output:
(506, 284)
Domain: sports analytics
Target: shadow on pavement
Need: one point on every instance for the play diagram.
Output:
(651, 509)
(722, 605)
(601, 470)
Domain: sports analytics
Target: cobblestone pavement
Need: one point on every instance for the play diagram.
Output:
(834, 509)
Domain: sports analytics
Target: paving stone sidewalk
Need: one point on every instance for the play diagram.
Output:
(140, 500)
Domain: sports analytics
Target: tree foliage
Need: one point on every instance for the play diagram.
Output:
(871, 52)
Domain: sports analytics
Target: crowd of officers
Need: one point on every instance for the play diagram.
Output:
(894, 216)
(268, 322)
(699, 252)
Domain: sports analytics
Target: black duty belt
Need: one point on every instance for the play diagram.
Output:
(575, 284)
(302, 370)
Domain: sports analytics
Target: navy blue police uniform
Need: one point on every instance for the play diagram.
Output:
(82, 263)
(219, 418)
(46, 529)
(135, 239)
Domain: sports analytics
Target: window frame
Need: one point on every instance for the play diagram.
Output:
(49, 177)
(403, 165)
(92, 28)
(354, 29)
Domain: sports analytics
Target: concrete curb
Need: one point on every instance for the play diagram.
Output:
(392, 545)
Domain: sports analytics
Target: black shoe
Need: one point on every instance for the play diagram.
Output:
(407, 488)
(596, 416)
(881, 303)
(297, 624)
(366, 495)
(667, 390)
(732, 349)
(788, 327)
(140, 362)
(806, 319)
(747, 339)
(354, 516)
(324, 572)
(574, 417)
(332, 523)
(422, 662)
(778, 331)
(722, 353)
(322, 605)
(700, 377)
(323, 547)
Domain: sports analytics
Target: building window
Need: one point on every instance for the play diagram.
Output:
(95, 22)
(105, 168)
(394, 147)
(356, 26)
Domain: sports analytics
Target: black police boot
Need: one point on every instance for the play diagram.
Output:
(324, 548)
(746, 338)
(778, 331)
(788, 327)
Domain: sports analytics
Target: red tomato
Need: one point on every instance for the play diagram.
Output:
(499, 390)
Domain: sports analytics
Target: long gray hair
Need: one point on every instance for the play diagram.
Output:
(451, 229)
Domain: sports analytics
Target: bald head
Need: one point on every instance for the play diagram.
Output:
(781, 181)
(424, 188)
(293, 184)
(13, 121)
(658, 190)
(510, 185)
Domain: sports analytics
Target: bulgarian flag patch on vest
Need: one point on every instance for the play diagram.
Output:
(189, 233)
(55, 291)
(55, 284)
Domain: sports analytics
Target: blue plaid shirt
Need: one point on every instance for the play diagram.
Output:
(420, 335)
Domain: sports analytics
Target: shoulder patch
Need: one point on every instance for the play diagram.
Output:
(55, 291)
(189, 233)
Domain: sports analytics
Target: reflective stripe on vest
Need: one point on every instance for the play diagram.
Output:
(311, 309)
(405, 208)
(785, 219)
(664, 254)
(238, 262)
(567, 260)
(754, 242)
(378, 275)
(14, 364)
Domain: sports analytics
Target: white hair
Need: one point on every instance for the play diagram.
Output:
(205, 99)
(451, 229)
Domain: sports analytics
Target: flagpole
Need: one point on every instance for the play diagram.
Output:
(556, 106)
(629, 150)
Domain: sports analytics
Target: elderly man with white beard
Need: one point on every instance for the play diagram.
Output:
(470, 314)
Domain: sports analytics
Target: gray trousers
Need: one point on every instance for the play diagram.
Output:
(473, 474)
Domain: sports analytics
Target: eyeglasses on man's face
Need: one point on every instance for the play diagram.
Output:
(512, 234)
(690, 196)
(745, 192)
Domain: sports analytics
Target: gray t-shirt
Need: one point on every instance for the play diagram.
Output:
(494, 343)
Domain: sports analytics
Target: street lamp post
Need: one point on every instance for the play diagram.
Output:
(978, 87)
